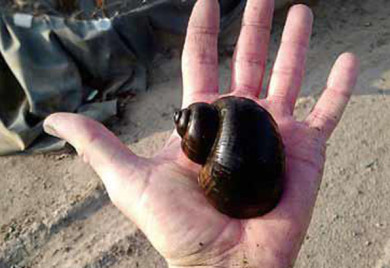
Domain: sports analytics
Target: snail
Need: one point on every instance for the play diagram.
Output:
(238, 144)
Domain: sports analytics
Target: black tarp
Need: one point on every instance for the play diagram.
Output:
(56, 57)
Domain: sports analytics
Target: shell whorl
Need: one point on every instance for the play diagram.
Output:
(198, 126)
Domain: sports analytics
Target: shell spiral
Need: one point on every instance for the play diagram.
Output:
(238, 144)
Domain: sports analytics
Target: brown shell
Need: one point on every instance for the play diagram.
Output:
(242, 175)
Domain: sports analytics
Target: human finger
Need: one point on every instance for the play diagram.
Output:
(200, 53)
(288, 71)
(251, 51)
(108, 156)
(330, 107)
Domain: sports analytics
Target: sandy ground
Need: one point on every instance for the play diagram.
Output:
(54, 211)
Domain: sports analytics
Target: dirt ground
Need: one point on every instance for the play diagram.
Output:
(54, 211)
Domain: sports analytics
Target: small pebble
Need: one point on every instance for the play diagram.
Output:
(379, 225)
(335, 217)
(368, 243)
(61, 157)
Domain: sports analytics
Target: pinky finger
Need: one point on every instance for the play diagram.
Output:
(330, 107)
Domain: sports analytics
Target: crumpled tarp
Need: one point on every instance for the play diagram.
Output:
(78, 62)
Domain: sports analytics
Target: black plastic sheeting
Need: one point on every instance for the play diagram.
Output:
(60, 63)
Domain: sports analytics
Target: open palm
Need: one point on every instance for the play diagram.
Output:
(161, 195)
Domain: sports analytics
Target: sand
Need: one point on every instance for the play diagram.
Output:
(54, 211)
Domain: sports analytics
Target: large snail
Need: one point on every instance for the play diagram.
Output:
(238, 144)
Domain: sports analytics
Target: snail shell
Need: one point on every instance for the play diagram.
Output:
(238, 144)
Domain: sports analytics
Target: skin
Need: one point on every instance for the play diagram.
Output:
(161, 195)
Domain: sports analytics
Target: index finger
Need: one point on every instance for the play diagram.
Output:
(200, 54)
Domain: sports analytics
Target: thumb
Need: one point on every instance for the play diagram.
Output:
(115, 164)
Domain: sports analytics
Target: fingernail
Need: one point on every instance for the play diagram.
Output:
(49, 129)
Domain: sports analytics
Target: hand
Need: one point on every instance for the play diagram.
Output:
(161, 195)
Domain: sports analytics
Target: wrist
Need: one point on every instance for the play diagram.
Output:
(242, 257)
(242, 263)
